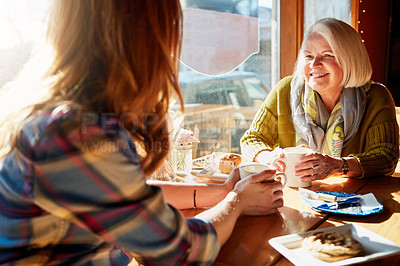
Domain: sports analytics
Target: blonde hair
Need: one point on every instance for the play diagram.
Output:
(112, 56)
(348, 48)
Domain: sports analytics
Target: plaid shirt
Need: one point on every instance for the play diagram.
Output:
(72, 192)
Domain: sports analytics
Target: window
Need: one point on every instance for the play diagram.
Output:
(220, 108)
(255, 89)
(318, 9)
(21, 26)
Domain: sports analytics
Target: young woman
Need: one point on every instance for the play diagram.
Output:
(72, 183)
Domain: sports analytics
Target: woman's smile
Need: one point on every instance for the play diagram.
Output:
(318, 75)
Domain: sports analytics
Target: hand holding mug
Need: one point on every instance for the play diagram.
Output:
(291, 158)
(257, 187)
(253, 168)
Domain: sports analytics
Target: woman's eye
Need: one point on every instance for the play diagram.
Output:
(328, 55)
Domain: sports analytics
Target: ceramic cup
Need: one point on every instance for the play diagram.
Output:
(291, 158)
(253, 168)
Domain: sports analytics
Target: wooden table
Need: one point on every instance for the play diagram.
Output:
(248, 244)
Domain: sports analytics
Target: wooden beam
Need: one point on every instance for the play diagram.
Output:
(355, 14)
(292, 29)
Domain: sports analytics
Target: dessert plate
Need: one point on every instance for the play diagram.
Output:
(375, 246)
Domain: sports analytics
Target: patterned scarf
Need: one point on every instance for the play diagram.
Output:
(323, 132)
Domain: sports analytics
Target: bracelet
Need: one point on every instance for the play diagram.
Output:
(194, 199)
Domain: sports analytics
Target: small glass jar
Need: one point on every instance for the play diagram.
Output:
(182, 159)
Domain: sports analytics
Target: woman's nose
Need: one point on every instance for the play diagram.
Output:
(315, 62)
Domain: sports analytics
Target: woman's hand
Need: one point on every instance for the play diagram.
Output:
(231, 181)
(251, 196)
(266, 157)
(316, 166)
(258, 197)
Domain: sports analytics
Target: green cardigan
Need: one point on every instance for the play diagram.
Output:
(376, 144)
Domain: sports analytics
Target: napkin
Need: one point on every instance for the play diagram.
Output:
(366, 203)
(369, 202)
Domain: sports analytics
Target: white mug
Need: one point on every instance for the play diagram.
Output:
(291, 158)
(253, 168)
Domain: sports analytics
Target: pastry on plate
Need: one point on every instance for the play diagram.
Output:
(229, 162)
(332, 246)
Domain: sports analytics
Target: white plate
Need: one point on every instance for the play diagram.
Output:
(216, 177)
(375, 246)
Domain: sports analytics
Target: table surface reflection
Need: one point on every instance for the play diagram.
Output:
(248, 244)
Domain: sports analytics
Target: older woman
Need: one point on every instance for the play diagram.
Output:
(330, 105)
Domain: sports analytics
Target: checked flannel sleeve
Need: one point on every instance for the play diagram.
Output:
(93, 195)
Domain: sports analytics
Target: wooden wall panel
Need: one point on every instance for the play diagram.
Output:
(374, 29)
(292, 17)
